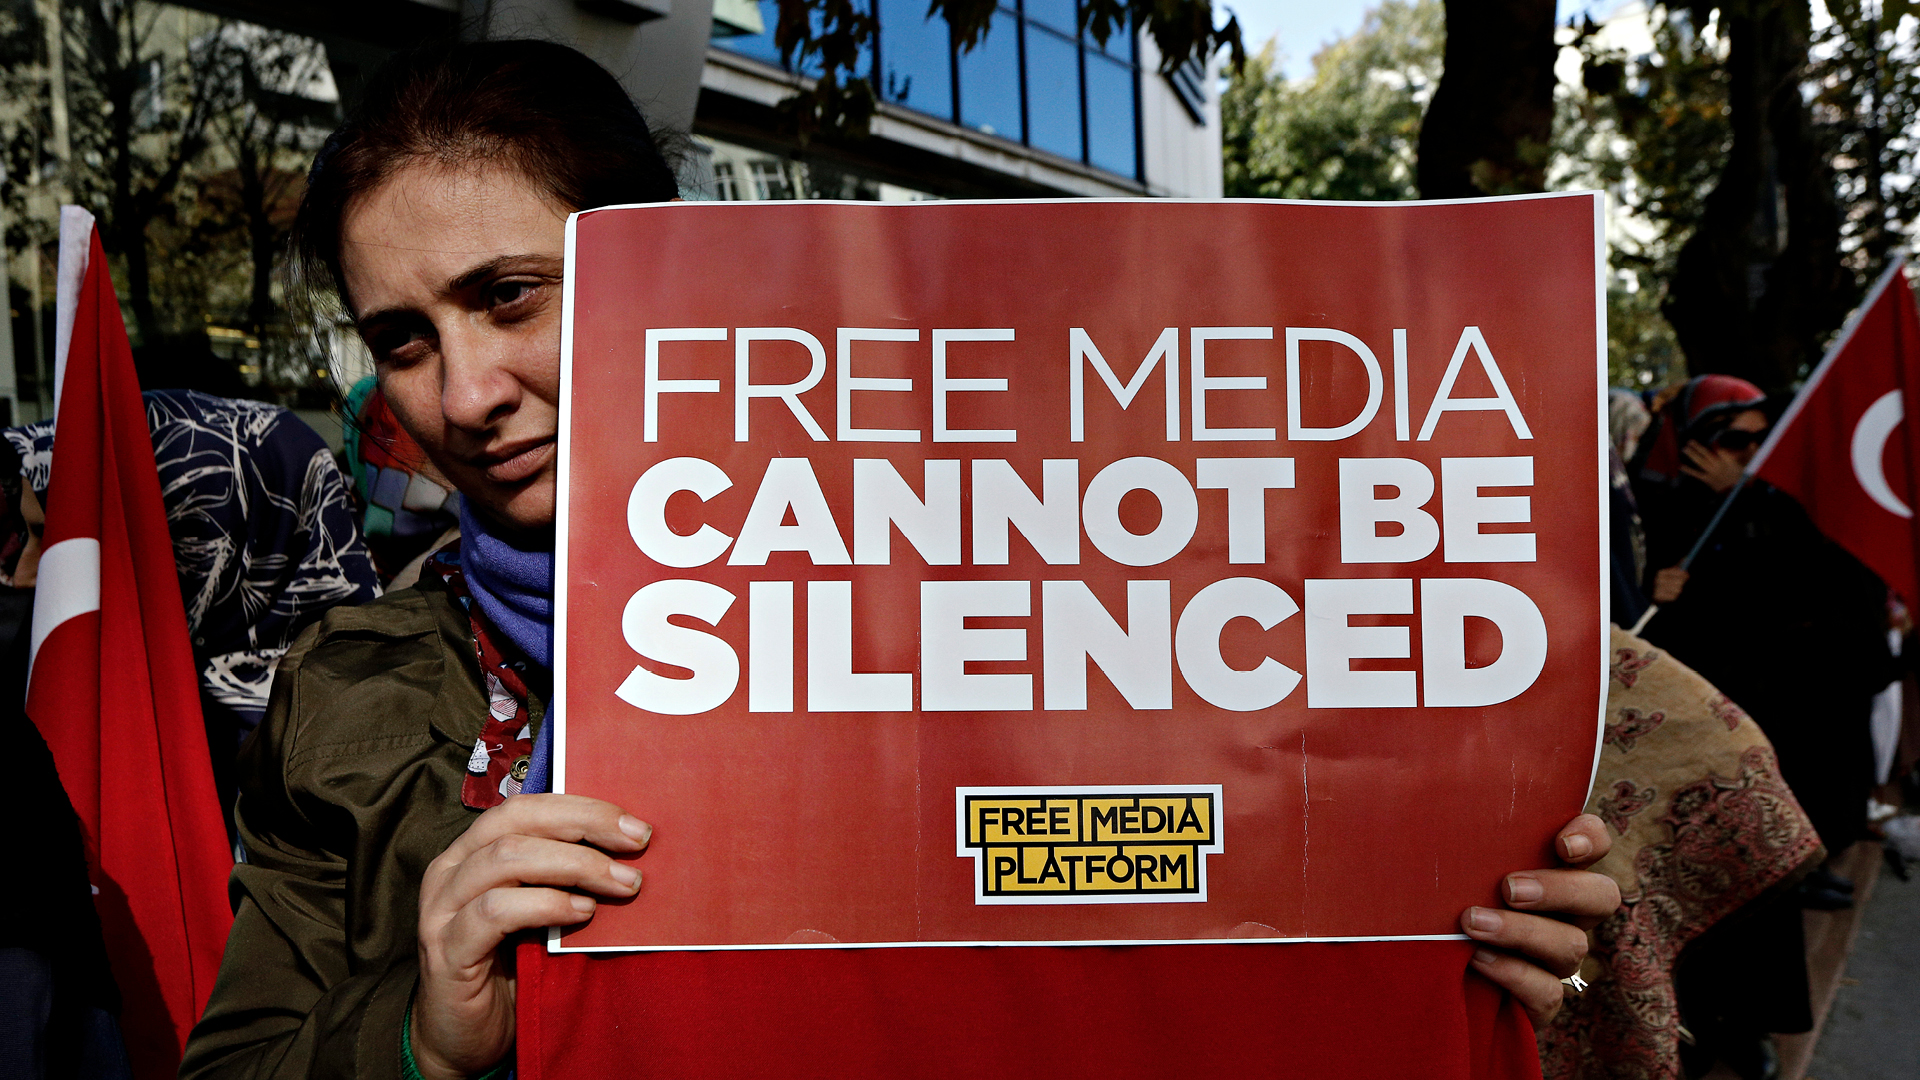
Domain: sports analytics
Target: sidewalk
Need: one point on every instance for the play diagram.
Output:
(1872, 1031)
(1864, 966)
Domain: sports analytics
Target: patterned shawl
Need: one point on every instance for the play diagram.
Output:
(263, 535)
(1689, 785)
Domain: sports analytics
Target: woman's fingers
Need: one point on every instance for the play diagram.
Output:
(571, 818)
(1537, 991)
(468, 942)
(1549, 943)
(1583, 841)
(532, 860)
(1580, 897)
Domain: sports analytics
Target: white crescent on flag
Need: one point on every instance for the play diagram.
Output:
(1870, 437)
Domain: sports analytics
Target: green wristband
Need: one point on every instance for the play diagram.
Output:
(409, 1070)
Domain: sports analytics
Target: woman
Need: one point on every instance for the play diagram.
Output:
(1787, 624)
(374, 901)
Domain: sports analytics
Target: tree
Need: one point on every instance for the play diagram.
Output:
(139, 116)
(269, 134)
(1760, 284)
(1652, 131)
(1768, 167)
(1349, 131)
(1490, 127)
(1866, 72)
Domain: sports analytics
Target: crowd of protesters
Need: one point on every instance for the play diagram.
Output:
(1738, 764)
(1784, 633)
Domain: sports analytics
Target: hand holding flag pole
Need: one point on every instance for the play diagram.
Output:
(1829, 449)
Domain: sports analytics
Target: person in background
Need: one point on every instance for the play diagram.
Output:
(264, 541)
(1792, 628)
(408, 509)
(1627, 420)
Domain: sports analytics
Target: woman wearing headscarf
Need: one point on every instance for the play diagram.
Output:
(264, 541)
(1785, 623)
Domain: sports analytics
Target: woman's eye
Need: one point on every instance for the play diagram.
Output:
(398, 344)
(508, 293)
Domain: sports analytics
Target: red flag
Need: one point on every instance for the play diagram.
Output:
(112, 684)
(1844, 449)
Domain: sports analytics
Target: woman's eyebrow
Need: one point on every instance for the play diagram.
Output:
(466, 279)
(498, 264)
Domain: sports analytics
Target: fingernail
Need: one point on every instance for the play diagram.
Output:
(1524, 890)
(1577, 846)
(624, 874)
(1483, 920)
(582, 904)
(1485, 957)
(636, 828)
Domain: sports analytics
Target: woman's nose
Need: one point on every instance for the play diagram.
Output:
(477, 385)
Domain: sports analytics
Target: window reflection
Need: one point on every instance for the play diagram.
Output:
(1110, 121)
(990, 81)
(1058, 14)
(1053, 93)
(916, 58)
(1033, 79)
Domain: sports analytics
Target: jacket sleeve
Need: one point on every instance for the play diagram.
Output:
(287, 1002)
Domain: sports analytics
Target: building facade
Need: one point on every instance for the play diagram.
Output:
(1035, 111)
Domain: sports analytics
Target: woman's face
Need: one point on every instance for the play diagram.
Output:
(453, 277)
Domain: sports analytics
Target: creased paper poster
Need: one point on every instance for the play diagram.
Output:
(1080, 571)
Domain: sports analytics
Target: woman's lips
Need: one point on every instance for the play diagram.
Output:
(521, 465)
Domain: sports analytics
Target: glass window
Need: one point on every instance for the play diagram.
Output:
(770, 180)
(990, 81)
(1110, 126)
(1119, 44)
(1059, 14)
(1053, 93)
(916, 51)
(759, 46)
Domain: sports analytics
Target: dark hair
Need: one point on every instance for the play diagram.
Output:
(547, 110)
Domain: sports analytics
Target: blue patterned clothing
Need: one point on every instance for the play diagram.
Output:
(264, 539)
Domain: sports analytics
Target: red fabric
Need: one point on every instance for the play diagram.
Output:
(114, 692)
(1845, 439)
(1353, 1011)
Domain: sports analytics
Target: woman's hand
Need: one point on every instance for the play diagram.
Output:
(1544, 938)
(1718, 469)
(524, 864)
(1668, 583)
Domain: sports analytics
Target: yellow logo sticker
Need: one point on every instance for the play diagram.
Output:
(1089, 845)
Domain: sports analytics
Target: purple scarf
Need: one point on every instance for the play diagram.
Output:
(514, 589)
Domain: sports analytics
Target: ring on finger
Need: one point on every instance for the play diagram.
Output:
(1574, 982)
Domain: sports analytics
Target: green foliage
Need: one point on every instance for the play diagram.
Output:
(1653, 131)
(1866, 79)
(1349, 131)
(1641, 350)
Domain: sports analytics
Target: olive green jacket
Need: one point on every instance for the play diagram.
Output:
(348, 790)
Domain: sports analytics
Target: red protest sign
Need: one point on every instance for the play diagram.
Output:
(1075, 572)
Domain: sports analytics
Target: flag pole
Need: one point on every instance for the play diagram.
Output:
(1793, 408)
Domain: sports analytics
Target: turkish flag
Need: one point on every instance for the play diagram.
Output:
(1844, 449)
(112, 685)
